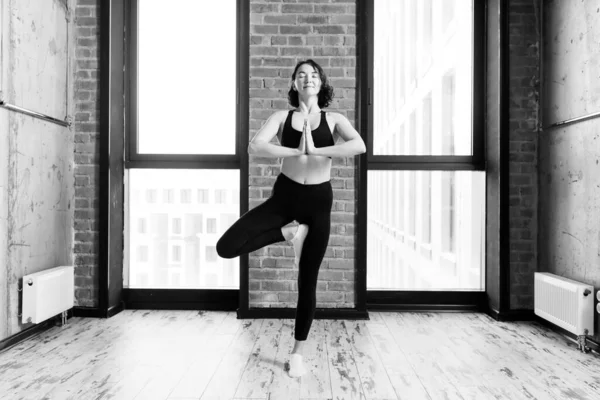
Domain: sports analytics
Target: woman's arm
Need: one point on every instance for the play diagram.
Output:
(260, 144)
(353, 143)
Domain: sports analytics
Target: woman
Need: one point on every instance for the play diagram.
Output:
(302, 192)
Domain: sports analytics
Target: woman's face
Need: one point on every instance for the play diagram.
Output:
(307, 80)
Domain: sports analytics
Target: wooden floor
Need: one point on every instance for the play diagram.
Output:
(144, 355)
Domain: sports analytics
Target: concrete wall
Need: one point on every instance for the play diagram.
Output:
(569, 159)
(36, 157)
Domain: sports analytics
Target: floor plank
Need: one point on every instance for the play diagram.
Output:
(374, 379)
(223, 384)
(282, 386)
(400, 371)
(258, 373)
(345, 380)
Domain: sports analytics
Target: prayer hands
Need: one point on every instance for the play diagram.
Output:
(308, 139)
(302, 145)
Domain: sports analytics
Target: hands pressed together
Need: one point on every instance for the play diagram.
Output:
(307, 145)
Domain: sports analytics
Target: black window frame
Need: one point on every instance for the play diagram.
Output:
(400, 299)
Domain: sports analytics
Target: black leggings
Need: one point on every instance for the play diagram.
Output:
(261, 226)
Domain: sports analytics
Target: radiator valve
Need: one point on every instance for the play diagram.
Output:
(581, 342)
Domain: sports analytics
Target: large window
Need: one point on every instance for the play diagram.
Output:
(184, 154)
(426, 178)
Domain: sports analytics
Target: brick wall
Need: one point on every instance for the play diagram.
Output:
(86, 152)
(524, 75)
(281, 34)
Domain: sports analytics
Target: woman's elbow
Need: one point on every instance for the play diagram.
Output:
(362, 148)
(252, 148)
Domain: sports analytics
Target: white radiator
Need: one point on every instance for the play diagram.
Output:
(564, 302)
(47, 293)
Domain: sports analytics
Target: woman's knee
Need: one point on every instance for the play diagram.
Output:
(224, 248)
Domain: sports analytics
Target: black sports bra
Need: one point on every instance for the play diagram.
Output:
(322, 136)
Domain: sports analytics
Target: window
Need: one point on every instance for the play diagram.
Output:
(425, 156)
(220, 196)
(211, 225)
(151, 195)
(174, 161)
(202, 196)
(168, 196)
(176, 254)
(186, 196)
(176, 225)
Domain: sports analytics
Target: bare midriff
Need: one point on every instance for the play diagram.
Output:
(307, 170)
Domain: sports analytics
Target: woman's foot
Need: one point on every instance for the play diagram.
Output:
(296, 367)
(298, 241)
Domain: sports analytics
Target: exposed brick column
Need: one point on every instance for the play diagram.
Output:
(86, 152)
(281, 34)
(524, 74)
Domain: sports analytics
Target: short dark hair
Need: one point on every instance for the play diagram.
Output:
(326, 92)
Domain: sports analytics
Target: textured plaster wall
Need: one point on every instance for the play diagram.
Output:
(569, 159)
(36, 157)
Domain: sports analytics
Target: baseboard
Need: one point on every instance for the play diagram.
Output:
(423, 307)
(112, 311)
(26, 334)
(95, 312)
(33, 330)
(510, 315)
(87, 312)
(320, 313)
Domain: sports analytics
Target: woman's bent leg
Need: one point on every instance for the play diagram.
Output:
(255, 229)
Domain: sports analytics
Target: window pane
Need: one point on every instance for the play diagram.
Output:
(423, 66)
(171, 247)
(441, 245)
(187, 68)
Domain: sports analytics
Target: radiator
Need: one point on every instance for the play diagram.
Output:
(564, 302)
(47, 293)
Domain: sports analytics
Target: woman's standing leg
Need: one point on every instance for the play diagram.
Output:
(313, 252)
(312, 255)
